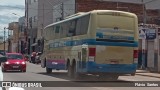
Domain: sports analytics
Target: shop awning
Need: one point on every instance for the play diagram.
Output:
(34, 44)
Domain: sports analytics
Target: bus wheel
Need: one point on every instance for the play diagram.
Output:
(133, 74)
(113, 78)
(70, 71)
(48, 70)
(108, 77)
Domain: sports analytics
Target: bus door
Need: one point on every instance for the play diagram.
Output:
(83, 56)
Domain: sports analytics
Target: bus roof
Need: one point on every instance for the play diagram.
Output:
(77, 14)
(74, 16)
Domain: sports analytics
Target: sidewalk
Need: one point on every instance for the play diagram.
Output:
(147, 73)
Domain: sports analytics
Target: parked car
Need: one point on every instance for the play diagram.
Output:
(2, 59)
(15, 62)
(2, 53)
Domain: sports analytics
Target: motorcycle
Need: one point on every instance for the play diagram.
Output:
(26, 58)
(33, 57)
(37, 58)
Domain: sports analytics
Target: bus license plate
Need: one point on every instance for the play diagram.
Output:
(114, 62)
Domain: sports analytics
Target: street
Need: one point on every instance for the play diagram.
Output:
(36, 73)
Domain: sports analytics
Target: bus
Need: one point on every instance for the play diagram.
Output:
(99, 42)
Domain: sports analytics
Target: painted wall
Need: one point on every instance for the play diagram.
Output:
(150, 4)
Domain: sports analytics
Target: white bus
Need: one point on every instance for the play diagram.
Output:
(103, 42)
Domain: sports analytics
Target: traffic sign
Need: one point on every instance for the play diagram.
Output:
(150, 33)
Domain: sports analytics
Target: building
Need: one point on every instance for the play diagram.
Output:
(2, 43)
(31, 24)
(22, 42)
(14, 40)
(2, 46)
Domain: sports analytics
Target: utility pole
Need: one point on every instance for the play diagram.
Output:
(143, 40)
(26, 30)
(8, 41)
(42, 29)
(75, 11)
(144, 12)
(62, 11)
(42, 22)
(4, 39)
(18, 41)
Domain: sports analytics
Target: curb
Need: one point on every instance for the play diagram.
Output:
(147, 75)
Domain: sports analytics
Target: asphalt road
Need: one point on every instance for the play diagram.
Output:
(36, 73)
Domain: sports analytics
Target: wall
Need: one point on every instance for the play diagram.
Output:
(2, 46)
(150, 4)
(14, 26)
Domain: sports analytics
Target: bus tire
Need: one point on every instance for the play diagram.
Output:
(70, 71)
(133, 74)
(114, 78)
(48, 70)
(105, 77)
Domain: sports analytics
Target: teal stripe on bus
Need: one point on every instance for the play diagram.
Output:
(92, 42)
(118, 37)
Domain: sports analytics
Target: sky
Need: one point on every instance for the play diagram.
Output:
(7, 7)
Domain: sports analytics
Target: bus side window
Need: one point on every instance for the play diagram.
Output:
(72, 28)
(57, 29)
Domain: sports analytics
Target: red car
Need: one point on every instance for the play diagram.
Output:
(15, 62)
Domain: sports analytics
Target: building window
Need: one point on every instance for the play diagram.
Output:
(30, 22)
(29, 1)
(35, 18)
